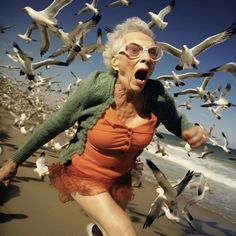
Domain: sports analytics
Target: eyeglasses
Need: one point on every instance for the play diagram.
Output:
(134, 51)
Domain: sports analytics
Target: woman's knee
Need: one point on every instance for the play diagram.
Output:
(121, 227)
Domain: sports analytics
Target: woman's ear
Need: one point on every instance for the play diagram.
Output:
(114, 63)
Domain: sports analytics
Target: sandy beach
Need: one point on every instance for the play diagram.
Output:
(30, 206)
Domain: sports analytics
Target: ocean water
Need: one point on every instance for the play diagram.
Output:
(218, 168)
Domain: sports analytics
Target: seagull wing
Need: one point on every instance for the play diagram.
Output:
(165, 77)
(154, 212)
(161, 179)
(226, 90)
(83, 28)
(184, 182)
(193, 75)
(49, 61)
(169, 48)
(213, 40)
(166, 10)
(44, 40)
(53, 9)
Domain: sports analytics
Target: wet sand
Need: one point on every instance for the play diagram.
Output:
(30, 206)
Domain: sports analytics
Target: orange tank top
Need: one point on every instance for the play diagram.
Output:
(111, 146)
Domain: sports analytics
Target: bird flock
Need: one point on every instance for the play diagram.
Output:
(25, 101)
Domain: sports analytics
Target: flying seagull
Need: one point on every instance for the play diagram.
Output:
(41, 167)
(123, 3)
(188, 56)
(167, 193)
(89, 7)
(3, 28)
(199, 91)
(158, 19)
(69, 39)
(178, 78)
(27, 65)
(229, 67)
(46, 21)
(222, 101)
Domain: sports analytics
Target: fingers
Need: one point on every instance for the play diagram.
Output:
(196, 136)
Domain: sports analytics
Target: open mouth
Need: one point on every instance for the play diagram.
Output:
(141, 75)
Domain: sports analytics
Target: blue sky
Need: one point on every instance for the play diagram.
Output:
(190, 22)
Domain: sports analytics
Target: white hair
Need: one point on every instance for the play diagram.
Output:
(114, 38)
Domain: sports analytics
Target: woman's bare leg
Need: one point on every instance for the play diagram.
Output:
(107, 214)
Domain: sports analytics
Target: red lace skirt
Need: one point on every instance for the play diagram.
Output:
(69, 180)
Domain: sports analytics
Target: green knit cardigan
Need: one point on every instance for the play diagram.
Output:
(87, 104)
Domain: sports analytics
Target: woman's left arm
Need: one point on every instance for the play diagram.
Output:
(178, 124)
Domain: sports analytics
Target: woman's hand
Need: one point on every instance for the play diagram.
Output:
(195, 136)
(7, 172)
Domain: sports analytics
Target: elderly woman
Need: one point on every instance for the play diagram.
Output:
(117, 113)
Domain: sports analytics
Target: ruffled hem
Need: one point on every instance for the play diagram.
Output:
(69, 180)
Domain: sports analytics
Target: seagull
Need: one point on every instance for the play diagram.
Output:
(68, 90)
(216, 111)
(84, 52)
(9, 67)
(45, 21)
(25, 131)
(3, 28)
(78, 80)
(123, 3)
(224, 146)
(57, 146)
(41, 167)
(188, 148)
(186, 104)
(89, 7)
(168, 213)
(202, 188)
(27, 35)
(188, 55)
(12, 57)
(229, 67)
(158, 19)
(160, 149)
(222, 101)
(177, 79)
(199, 91)
(27, 67)
(204, 154)
(166, 193)
(69, 39)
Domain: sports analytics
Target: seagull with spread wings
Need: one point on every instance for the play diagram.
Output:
(92, 7)
(46, 21)
(27, 65)
(3, 28)
(158, 19)
(229, 67)
(199, 91)
(188, 56)
(124, 3)
(84, 52)
(69, 39)
(166, 193)
(222, 101)
(177, 78)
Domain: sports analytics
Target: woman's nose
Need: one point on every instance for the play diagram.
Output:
(145, 56)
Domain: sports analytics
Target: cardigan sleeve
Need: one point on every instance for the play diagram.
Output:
(172, 119)
(57, 122)
(163, 104)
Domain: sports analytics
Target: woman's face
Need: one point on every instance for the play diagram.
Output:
(133, 73)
